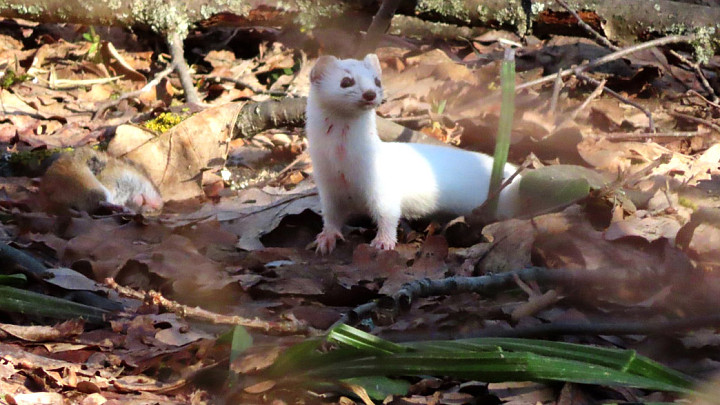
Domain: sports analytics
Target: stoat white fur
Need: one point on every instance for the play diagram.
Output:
(357, 173)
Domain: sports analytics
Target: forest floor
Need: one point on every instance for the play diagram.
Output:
(241, 248)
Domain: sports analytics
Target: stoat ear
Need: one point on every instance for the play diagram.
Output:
(372, 60)
(321, 66)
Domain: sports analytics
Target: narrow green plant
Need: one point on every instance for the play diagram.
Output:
(507, 110)
(94, 39)
(24, 302)
(13, 280)
(359, 358)
(9, 77)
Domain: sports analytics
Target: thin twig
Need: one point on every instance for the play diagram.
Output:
(290, 327)
(640, 136)
(714, 104)
(599, 38)
(177, 52)
(535, 304)
(246, 85)
(698, 120)
(493, 283)
(609, 58)
(622, 181)
(152, 83)
(699, 73)
(595, 93)
(411, 118)
(651, 124)
(557, 86)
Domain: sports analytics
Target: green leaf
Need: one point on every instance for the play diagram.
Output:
(359, 354)
(360, 340)
(378, 387)
(32, 303)
(556, 186)
(622, 360)
(241, 341)
(13, 280)
(441, 106)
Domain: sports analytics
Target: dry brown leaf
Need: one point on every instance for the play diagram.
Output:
(648, 228)
(176, 159)
(179, 333)
(512, 241)
(37, 398)
(37, 333)
(254, 213)
(522, 392)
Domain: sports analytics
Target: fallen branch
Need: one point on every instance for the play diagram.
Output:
(697, 120)
(593, 327)
(277, 328)
(643, 136)
(290, 112)
(699, 73)
(608, 58)
(492, 284)
(598, 38)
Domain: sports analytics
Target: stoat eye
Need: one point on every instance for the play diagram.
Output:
(377, 82)
(347, 82)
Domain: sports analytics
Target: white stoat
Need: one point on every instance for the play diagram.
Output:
(357, 173)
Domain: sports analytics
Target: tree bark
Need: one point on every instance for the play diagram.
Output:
(623, 21)
(290, 112)
(159, 15)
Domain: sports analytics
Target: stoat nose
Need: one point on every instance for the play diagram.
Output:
(369, 95)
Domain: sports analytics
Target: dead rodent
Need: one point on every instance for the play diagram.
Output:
(86, 180)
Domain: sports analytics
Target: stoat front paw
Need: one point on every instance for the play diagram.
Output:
(383, 242)
(326, 241)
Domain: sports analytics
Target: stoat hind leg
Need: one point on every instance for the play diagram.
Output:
(387, 217)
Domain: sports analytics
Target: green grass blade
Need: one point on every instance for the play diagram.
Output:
(488, 366)
(32, 303)
(364, 341)
(507, 111)
(623, 360)
(378, 388)
(241, 341)
(487, 359)
(13, 280)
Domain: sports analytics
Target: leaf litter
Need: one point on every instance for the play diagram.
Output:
(243, 250)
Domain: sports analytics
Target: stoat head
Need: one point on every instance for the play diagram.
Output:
(347, 86)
